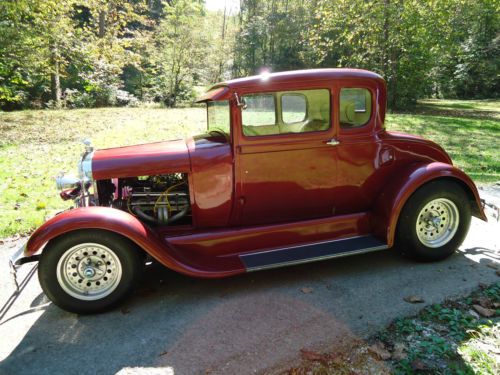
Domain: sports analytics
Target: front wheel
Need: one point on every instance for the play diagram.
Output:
(89, 271)
(434, 221)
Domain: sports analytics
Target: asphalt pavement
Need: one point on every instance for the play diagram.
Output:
(254, 323)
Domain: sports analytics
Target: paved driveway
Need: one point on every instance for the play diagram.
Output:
(251, 323)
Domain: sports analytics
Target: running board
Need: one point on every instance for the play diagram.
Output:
(311, 252)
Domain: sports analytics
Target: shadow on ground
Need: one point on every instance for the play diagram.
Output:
(245, 324)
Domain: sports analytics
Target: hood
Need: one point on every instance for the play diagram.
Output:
(141, 160)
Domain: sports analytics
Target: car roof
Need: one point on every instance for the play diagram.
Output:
(220, 91)
(300, 75)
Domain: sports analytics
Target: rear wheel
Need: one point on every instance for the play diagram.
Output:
(434, 221)
(89, 271)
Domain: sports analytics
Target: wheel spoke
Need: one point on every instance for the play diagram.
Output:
(89, 271)
(437, 222)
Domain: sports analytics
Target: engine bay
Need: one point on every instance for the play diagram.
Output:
(158, 200)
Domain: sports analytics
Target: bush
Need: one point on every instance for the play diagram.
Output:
(124, 98)
(76, 99)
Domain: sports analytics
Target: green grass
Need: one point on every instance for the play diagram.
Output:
(490, 106)
(472, 143)
(36, 145)
(448, 338)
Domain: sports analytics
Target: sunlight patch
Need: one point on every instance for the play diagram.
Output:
(146, 370)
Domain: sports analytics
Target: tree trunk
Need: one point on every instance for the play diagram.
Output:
(385, 55)
(223, 37)
(55, 78)
(102, 23)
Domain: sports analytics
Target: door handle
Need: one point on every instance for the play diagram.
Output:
(333, 142)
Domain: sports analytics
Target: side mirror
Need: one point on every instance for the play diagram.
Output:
(240, 103)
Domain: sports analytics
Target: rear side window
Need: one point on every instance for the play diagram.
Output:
(355, 107)
(294, 108)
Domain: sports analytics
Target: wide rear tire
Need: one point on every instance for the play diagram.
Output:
(434, 221)
(89, 271)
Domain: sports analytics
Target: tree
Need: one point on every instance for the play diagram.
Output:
(178, 56)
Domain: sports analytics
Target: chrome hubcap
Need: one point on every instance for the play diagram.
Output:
(89, 271)
(437, 222)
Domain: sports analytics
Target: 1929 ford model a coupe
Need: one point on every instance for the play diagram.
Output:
(294, 167)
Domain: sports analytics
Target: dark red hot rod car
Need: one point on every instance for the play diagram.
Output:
(294, 167)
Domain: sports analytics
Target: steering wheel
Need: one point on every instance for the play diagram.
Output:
(217, 131)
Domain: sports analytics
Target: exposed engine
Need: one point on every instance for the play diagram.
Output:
(160, 199)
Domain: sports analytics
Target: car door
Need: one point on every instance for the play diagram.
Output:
(360, 159)
(285, 161)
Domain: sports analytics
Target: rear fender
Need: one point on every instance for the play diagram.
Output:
(404, 183)
(122, 223)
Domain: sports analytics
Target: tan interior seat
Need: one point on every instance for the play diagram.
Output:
(318, 124)
(347, 113)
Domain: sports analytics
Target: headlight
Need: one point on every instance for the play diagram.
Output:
(64, 182)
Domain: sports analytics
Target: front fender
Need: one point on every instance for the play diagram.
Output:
(127, 225)
(404, 183)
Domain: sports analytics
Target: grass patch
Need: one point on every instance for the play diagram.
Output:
(448, 338)
(472, 143)
(490, 105)
(35, 146)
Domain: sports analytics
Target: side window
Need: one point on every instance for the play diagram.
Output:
(293, 108)
(355, 107)
(286, 112)
(260, 110)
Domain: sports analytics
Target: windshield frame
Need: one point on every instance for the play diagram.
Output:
(221, 104)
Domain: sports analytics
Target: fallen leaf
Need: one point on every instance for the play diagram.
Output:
(483, 285)
(418, 365)
(492, 265)
(485, 302)
(309, 355)
(1, 242)
(307, 290)
(414, 299)
(496, 305)
(399, 352)
(162, 354)
(474, 314)
(380, 351)
(483, 311)
(124, 310)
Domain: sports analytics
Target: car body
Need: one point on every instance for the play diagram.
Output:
(294, 167)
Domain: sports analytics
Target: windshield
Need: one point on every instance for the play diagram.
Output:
(218, 116)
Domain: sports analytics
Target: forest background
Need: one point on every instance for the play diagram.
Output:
(96, 53)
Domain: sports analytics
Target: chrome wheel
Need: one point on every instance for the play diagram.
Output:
(89, 271)
(437, 222)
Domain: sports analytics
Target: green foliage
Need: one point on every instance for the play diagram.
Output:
(72, 53)
(447, 338)
(422, 48)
